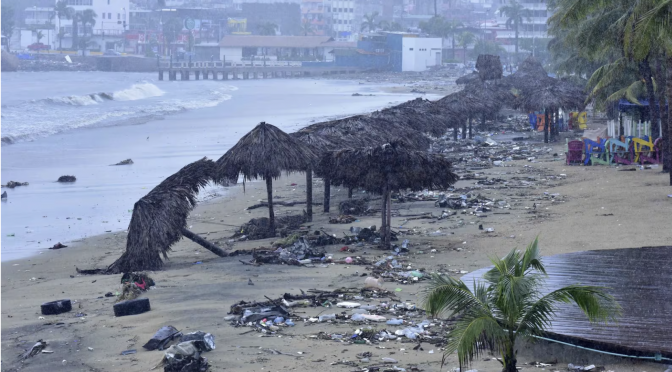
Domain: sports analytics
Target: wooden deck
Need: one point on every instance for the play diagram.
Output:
(641, 281)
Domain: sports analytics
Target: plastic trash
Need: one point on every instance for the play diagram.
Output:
(348, 305)
(324, 318)
(371, 282)
(395, 322)
(388, 360)
(162, 337)
(278, 320)
(348, 260)
(295, 303)
(306, 261)
(404, 244)
(371, 317)
(289, 323)
(203, 341)
(368, 307)
(497, 163)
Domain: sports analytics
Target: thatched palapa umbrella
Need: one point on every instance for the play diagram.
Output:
(489, 67)
(386, 168)
(454, 111)
(160, 220)
(485, 98)
(265, 152)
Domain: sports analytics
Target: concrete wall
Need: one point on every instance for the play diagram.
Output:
(420, 53)
(231, 54)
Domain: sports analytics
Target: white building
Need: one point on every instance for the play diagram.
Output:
(418, 53)
(343, 20)
(533, 28)
(111, 22)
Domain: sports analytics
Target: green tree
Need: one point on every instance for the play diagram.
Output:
(487, 47)
(62, 11)
(267, 28)
(441, 27)
(508, 306)
(464, 39)
(515, 13)
(171, 30)
(369, 22)
(88, 17)
(7, 20)
(307, 28)
(390, 26)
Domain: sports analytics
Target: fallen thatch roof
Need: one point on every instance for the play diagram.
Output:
(390, 165)
(159, 217)
(265, 151)
(466, 79)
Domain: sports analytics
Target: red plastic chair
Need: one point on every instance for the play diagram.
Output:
(574, 154)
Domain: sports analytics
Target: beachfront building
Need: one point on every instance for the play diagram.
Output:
(236, 48)
(107, 32)
(36, 19)
(393, 51)
(533, 32)
(316, 17)
(343, 18)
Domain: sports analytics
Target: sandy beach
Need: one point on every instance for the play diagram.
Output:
(596, 207)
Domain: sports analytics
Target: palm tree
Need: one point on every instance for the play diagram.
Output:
(76, 18)
(515, 13)
(509, 305)
(307, 28)
(62, 10)
(267, 28)
(39, 35)
(88, 17)
(464, 39)
(369, 22)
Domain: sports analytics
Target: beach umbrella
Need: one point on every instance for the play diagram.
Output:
(265, 152)
(159, 220)
(530, 74)
(550, 97)
(418, 114)
(386, 168)
(483, 98)
(454, 111)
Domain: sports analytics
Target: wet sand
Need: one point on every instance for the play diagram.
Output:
(598, 208)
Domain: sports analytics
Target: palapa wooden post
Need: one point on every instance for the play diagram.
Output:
(464, 130)
(471, 136)
(455, 133)
(349, 192)
(388, 223)
(309, 193)
(269, 192)
(383, 227)
(546, 125)
(327, 194)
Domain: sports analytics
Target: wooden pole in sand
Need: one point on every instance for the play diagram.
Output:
(203, 243)
(309, 194)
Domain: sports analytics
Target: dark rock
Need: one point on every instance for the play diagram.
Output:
(13, 184)
(124, 162)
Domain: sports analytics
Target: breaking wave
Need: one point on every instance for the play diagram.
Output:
(140, 103)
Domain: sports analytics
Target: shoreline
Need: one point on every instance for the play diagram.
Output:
(595, 209)
(156, 148)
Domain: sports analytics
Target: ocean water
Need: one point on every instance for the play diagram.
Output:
(79, 123)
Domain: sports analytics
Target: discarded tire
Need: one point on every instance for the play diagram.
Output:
(56, 307)
(132, 307)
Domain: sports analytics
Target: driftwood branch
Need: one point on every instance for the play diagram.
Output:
(204, 243)
(285, 204)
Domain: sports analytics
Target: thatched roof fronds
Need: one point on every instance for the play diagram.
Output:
(489, 67)
(418, 114)
(486, 97)
(555, 94)
(265, 151)
(466, 79)
(159, 217)
(530, 75)
(371, 168)
(453, 109)
(364, 130)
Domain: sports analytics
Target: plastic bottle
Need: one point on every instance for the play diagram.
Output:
(324, 318)
(395, 322)
(289, 322)
(371, 282)
(358, 317)
(389, 360)
(278, 320)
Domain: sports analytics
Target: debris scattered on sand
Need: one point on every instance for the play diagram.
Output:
(124, 162)
(67, 179)
(13, 184)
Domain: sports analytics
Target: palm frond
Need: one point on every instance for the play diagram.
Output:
(448, 294)
(473, 334)
(630, 92)
(598, 306)
(532, 257)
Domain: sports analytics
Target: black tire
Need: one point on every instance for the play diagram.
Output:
(132, 307)
(56, 307)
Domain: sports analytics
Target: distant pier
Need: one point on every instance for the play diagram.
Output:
(243, 71)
